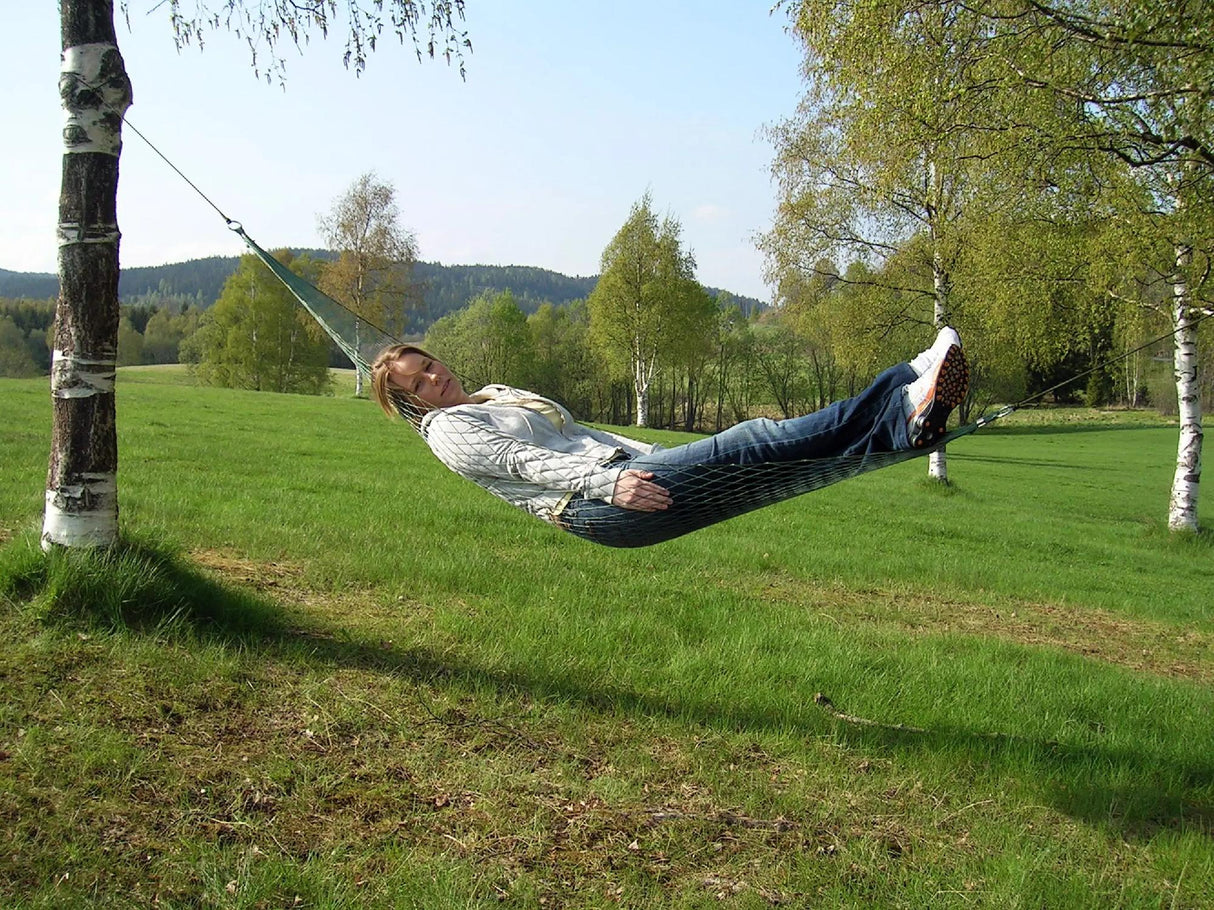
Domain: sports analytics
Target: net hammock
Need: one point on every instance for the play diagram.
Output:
(703, 494)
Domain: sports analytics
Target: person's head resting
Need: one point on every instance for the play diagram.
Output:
(409, 381)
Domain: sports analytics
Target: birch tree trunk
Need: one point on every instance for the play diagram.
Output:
(81, 485)
(937, 461)
(641, 378)
(1182, 508)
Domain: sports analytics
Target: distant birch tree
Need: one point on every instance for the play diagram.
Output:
(733, 344)
(1140, 78)
(646, 283)
(1158, 256)
(880, 154)
(1136, 79)
(81, 486)
(373, 273)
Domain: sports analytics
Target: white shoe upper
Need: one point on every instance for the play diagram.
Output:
(946, 338)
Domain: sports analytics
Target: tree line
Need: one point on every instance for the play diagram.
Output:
(444, 288)
(148, 332)
(714, 361)
(650, 345)
(637, 345)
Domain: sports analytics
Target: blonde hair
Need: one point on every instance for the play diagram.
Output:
(395, 401)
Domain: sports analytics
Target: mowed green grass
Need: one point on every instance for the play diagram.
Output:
(327, 669)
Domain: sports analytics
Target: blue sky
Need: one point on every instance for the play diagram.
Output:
(569, 113)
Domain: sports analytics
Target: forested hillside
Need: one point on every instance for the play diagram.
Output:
(446, 287)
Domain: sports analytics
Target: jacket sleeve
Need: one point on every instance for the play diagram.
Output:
(472, 449)
(614, 439)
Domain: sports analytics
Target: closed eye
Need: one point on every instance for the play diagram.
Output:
(426, 367)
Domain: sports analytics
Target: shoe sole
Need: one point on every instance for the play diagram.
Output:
(948, 390)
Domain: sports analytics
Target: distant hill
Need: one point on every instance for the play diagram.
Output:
(201, 278)
(447, 287)
(34, 285)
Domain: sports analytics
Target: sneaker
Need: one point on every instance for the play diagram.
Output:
(946, 338)
(932, 397)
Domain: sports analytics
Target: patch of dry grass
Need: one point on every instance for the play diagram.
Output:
(1161, 649)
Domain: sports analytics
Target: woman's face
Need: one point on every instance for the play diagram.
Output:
(428, 380)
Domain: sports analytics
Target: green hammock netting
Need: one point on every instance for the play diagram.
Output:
(717, 492)
(357, 338)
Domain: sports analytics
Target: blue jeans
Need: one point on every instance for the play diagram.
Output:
(754, 464)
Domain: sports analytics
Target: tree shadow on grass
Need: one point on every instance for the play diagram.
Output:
(1066, 429)
(1028, 462)
(143, 589)
(1132, 793)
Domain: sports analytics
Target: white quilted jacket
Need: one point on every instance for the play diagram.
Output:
(505, 444)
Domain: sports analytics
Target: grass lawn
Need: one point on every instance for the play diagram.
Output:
(325, 672)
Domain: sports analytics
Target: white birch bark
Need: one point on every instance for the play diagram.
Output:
(937, 461)
(642, 377)
(1182, 507)
(1133, 376)
(82, 486)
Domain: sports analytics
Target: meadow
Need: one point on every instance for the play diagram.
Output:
(322, 671)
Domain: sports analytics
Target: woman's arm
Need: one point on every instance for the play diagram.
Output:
(473, 448)
(615, 439)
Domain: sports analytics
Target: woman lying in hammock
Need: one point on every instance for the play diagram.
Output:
(617, 491)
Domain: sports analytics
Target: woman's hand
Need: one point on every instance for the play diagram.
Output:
(636, 490)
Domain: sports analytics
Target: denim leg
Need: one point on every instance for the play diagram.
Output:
(872, 421)
(754, 464)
